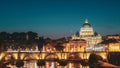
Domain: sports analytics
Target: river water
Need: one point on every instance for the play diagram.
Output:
(33, 64)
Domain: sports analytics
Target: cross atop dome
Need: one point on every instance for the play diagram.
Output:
(86, 24)
(86, 20)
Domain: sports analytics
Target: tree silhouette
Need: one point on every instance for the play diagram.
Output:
(41, 43)
(32, 35)
(93, 60)
(59, 47)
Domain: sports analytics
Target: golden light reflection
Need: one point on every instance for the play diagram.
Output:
(70, 65)
(15, 55)
(103, 55)
(22, 56)
(1, 56)
(36, 56)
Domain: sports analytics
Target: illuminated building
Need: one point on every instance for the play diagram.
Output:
(77, 45)
(112, 43)
(113, 36)
(87, 33)
(114, 47)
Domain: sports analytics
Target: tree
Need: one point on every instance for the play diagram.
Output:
(32, 35)
(4, 40)
(93, 60)
(59, 47)
(15, 36)
(41, 43)
(4, 36)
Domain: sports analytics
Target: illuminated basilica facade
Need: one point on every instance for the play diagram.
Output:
(87, 33)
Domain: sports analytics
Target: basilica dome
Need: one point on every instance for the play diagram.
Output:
(87, 33)
(86, 29)
(86, 25)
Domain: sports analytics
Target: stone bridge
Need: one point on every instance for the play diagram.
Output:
(31, 58)
(36, 55)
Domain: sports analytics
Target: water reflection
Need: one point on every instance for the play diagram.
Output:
(49, 64)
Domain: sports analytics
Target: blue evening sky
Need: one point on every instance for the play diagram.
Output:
(59, 18)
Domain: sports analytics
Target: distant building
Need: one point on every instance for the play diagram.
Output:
(113, 37)
(112, 43)
(87, 33)
(77, 45)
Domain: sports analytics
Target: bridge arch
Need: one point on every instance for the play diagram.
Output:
(51, 56)
(74, 56)
(51, 60)
(29, 57)
(8, 56)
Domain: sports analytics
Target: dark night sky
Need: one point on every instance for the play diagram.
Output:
(59, 18)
